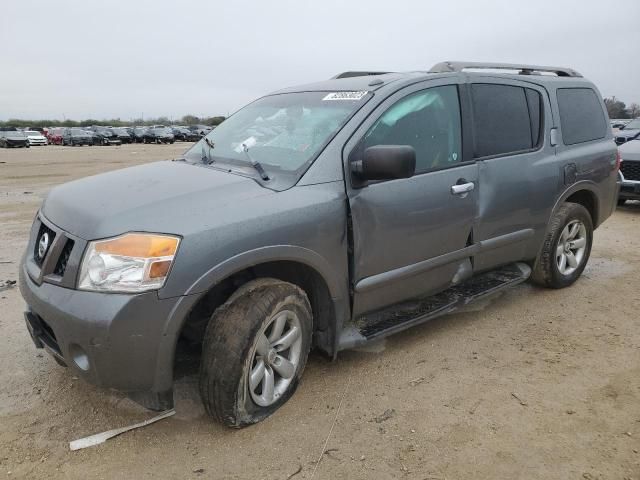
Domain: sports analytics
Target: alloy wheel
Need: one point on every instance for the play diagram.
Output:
(571, 248)
(275, 358)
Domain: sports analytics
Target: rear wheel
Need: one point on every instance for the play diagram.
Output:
(566, 247)
(254, 351)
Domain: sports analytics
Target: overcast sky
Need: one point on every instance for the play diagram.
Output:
(107, 59)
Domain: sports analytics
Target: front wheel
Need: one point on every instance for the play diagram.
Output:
(254, 351)
(566, 248)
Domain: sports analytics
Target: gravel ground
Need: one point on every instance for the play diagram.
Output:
(533, 384)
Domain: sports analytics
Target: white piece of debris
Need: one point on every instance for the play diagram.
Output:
(99, 438)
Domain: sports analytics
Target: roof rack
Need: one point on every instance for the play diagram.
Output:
(357, 74)
(445, 67)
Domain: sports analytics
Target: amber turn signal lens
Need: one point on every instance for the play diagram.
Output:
(159, 269)
(139, 245)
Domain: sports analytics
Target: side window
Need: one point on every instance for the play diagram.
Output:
(581, 115)
(429, 121)
(507, 119)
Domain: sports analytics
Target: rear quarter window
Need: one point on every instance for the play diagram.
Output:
(581, 115)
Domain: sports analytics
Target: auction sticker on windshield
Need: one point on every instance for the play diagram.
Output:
(345, 95)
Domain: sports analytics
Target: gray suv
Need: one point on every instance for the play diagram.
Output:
(323, 216)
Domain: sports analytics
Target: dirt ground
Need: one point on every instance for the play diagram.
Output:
(535, 384)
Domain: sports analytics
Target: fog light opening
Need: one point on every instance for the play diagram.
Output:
(79, 357)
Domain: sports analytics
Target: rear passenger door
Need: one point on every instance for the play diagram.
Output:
(518, 169)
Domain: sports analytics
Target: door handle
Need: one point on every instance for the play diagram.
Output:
(462, 188)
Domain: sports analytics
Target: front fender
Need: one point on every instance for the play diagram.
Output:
(175, 321)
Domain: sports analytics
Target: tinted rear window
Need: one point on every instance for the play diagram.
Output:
(507, 119)
(581, 115)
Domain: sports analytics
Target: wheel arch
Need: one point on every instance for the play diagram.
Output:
(296, 265)
(584, 193)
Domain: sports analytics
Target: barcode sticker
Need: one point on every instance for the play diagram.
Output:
(345, 95)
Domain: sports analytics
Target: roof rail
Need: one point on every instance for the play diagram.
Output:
(445, 67)
(357, 74)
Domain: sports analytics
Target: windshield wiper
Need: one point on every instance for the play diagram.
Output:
(255, 164)
(206, 153)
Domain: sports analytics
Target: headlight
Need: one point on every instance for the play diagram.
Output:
(134, 262)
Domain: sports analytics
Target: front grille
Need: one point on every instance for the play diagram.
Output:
(61, 266)
(630, 170)
(36, 248)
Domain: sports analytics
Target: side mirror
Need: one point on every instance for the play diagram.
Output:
(386, 162)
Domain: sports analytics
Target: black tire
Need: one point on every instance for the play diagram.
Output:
(231, 340)
(622, 201)
(546, 271)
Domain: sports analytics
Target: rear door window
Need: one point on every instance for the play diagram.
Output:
(581, 115)
(507, 119)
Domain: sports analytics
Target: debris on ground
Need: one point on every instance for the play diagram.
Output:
(99, 438)
(7, 284)
(416, 381)
(386, 415)
(295, 473)
(522, 402)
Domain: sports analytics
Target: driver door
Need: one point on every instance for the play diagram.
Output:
(412, 237)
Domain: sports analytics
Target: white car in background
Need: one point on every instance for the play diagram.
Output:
(35, 138)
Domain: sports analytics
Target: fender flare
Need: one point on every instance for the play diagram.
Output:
(263, 255)
(575, 187)
(166, 350)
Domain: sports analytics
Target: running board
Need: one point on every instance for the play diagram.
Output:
(405, 315)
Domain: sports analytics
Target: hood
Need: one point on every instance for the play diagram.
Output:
(37, 136)
(13, 135)
(163, 197)
(630, 150)
(627, 133)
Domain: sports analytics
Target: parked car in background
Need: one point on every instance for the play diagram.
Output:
(106, 136)
(158, 135)
(629, 131)
(12, 137)
(183, 134)
(323, 216)
(74, 137)
(35, 138)
(201, 129)
(618, 124)
(54, 135)
(137, 134)
(629, 170)
(123, 134)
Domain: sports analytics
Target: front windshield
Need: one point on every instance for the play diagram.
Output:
(633, 125)
(31, 133)
(283, 131)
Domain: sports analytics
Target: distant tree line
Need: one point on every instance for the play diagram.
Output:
(114, 122)
(618, 109)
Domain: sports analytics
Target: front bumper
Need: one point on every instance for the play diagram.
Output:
(17, 143)
(37, 141)
(120, 341)
(630, 190)
(110, 340)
